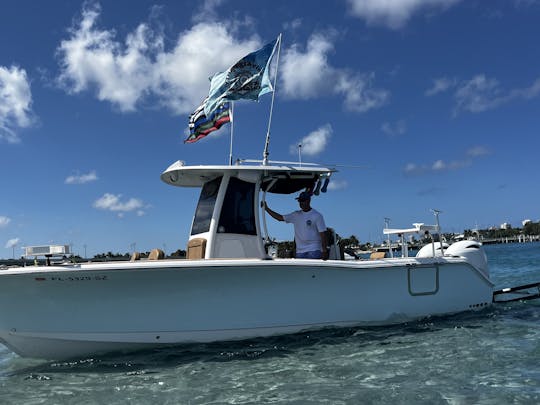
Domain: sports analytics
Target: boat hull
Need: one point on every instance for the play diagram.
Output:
(75, 311)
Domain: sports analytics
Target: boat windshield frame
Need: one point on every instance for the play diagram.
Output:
(205, 206)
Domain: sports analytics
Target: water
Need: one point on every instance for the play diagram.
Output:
(490, 357)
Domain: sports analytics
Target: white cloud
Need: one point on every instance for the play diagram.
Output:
(360, 96)
(207, 10)
(481, 93)
(478, 151)
(4, 221)
(394, 129)
(140, 68)
(315, 142)
(12, 243)
(441, 85)
(478, 94)
(308, 74)
(81, 178)
(15, 103)
(111, 202)
(127, 73)
(440, 165)
(334, 185)
(394, 14)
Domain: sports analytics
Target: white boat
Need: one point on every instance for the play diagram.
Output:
(230, 288)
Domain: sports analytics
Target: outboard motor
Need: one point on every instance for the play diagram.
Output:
(427, 250)
(472, 251)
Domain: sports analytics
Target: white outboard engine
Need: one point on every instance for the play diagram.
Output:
(427, 250)
(472, 251)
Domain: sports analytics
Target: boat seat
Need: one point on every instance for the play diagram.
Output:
(135, 256)
(196, 248)
(156, 254)
(377, 255)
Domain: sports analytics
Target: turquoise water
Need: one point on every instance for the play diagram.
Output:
(490, 357)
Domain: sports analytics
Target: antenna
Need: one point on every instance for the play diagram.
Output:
(386, 225)
(436, 213)
(300, 154)
(232, 126)
(267, 142)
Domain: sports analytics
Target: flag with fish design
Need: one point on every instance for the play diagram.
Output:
(246, 79)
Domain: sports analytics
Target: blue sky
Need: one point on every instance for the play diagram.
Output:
(431, 104)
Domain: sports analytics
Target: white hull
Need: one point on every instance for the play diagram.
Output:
(73, 311)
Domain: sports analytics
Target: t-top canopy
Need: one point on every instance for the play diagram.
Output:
(280, 179)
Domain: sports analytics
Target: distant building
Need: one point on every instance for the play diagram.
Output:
(506, 225)
(525, 222)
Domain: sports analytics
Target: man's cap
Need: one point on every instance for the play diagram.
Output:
(304, 196)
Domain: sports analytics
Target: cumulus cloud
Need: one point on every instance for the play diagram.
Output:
(129, 72)
(126, 73)
(12, 243)
(315, 142)
(4, 221)
(307, 74)
(112, 202)
(439, 166)
(15, 103)
(394, 14)
(481, 93)
(81, 178)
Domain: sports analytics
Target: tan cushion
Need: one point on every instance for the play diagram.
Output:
(156, 254)
(196, 248)
(377, 255)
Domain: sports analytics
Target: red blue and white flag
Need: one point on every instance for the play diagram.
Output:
(200, 125)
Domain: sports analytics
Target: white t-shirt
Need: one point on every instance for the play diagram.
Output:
(307, 226)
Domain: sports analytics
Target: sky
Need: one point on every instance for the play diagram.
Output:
(421, 104)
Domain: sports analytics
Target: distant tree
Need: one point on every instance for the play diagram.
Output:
(532, 228)
(350, 242)
(179, 254)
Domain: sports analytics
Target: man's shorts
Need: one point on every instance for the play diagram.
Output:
(314, 254)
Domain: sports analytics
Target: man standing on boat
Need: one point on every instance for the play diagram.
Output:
(309, 229)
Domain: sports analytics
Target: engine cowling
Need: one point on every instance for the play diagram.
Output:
(472, 251)
(427, 250)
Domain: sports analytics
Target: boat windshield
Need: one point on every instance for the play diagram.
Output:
(238, 213)
(205, 207)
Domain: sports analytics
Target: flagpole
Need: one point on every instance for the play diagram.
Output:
(267, 142)
(232, 127)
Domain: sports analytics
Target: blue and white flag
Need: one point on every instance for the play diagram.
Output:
(246, 79)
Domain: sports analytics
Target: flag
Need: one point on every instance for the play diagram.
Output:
(201, 125)
(246, 79)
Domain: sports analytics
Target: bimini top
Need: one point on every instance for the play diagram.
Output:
(276, 177)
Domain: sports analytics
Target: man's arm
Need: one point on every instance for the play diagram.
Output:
(272, 213)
